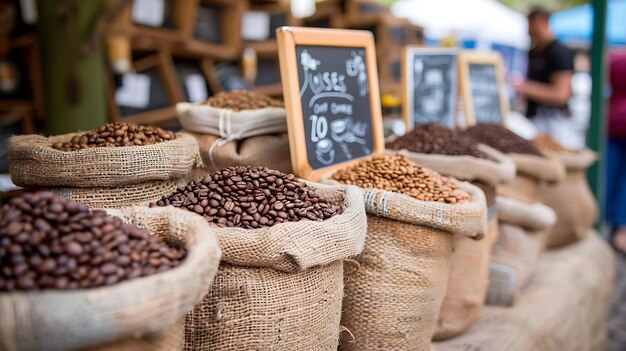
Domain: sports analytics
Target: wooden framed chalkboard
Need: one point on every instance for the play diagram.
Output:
(429, 86)
(331, 97)
(482, 87)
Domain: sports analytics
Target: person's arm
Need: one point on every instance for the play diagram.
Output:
(557, 92)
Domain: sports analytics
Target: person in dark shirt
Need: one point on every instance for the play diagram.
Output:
(547, 88)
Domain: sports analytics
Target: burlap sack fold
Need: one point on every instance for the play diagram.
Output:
(571, 199)
(497, 168)
(271, 151)
(230, 124)
(522, 232)
(391, 302)
(532, 171)
(280, 287)
(172, 340)
(33, 162)
(77, 319)
(121, 196)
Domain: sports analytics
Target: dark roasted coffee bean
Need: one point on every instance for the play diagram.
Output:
(502, 139)
(433, 138)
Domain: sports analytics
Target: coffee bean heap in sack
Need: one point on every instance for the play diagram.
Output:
(116, 134)
(48, 242)
(250, 197)
(397, 174)
(242, 100)
(435, 138)
(502, 139)
(546, 143)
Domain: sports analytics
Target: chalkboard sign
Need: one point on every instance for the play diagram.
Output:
(482, 85)
(429, 86)
(331, 97)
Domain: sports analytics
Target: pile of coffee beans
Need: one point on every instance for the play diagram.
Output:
(48, 242)
(116, 134)
(242, 100)
(397, 174)
(250, 197)
(502, 139)
(546, 143)
(435, 138)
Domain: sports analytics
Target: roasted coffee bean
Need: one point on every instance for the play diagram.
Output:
(397, 174)
(256, 197)
(238, 100)
(116, 134)
(546, 143)
(502, 139)
(82, 249)
(435, 138)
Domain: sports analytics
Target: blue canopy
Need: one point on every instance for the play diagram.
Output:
(576, 24)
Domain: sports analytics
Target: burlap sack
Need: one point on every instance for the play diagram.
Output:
(171, 340)
(271, 151)
(497, 168)
(532, 171)
(230, 124)
(567, 297)
(571, 199)
(78, 319)
(121, 196)
(280, 287)
(33, 162)
(522, 230)
(391, 302)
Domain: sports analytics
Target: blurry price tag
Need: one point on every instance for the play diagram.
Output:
(255, 26)
(149, 12)
(134, 92)
(196, 88)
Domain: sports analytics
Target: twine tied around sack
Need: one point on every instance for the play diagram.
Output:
(344, 329)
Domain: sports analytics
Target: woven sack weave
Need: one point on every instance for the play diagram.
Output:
(121, 196)
(280, 287)
(230, 124)
(571, 199)
(171, 340)
(391, 302)
(522, 231)
(563, 308)
(78, 319)
(271, 151)
(33, 162)
(532, 171)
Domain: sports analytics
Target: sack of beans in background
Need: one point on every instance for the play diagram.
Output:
(70, 276)
(533, 167)
(280, 283)
(238, 128)
(392, 301)
(451, 153)
(523, 228)
(571, 199)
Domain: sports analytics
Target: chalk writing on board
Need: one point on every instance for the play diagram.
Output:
(433, 78)
(335, 102)
(485, 93)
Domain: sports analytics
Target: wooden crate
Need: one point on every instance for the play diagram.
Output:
(327, 14)
(271, 16)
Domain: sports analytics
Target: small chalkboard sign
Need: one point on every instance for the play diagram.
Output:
(482, 86)
(331, 98)
(429, 86)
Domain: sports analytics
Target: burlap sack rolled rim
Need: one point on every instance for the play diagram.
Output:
(496, 169)
(91, 317)
(451, 218)
(230, 124)
(98, 166)
(535, 217)
(576, 161)
(289, 247)
(548, 168)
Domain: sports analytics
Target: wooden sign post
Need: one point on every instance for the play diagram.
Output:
(331, 97)
(482, 87)
(429, 86)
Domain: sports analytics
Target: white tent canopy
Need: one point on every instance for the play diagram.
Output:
(486, 21)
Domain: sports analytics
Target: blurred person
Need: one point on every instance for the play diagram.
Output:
(615, 206)
(547, 88)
